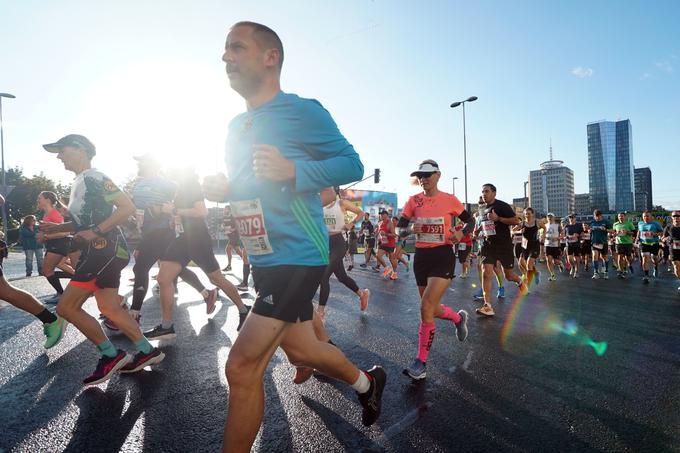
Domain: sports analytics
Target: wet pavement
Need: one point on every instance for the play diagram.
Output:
(529, 379)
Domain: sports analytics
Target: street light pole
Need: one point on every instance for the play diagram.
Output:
(526, 200)
(2, 152)
(454, 184)
(453, 106)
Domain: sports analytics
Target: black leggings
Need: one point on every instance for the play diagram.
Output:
(151, 249)
(338, 248)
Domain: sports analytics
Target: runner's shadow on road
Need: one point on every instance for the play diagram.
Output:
(34, 397)
(275, 434)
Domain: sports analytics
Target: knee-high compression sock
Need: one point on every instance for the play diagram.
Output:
(56, 284)
(425, 338)
(450, 314)
(246, 272)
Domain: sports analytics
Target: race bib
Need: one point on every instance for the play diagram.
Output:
(489, 228)
(647, 234)
(432, 230)
(525, 243)
(384, 239)
(179, 228)
(250, 223)
(139, 217)
(462, 246)
(676, 244)
(597, 246)
(517, 239)
(586, 236)
(622, 233)
(572, 239)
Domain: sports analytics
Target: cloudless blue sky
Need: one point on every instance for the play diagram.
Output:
(147, 76)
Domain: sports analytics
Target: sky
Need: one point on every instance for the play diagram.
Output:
(138, 77)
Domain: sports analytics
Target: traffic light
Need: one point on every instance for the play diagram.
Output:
(376, 176)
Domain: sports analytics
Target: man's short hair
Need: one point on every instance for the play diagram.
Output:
(597, 212)
(646, 211)
(490, 186)
(265, 37)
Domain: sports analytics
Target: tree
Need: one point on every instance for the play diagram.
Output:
(22, 201)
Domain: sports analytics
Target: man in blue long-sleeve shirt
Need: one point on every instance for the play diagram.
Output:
(280, 153)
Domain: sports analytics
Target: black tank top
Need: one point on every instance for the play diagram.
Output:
(530, 233)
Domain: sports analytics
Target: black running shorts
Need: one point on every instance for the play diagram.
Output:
(586, 248)
(102, 261)
(370, 243)
(433, 262)
(184, 249)
(463, 254)
(234, 240)
(554, 252)
(650, 248)
(503, 255)
(532, 251)
(518, 250)
(285, 292)
(573, 248)
(61, 246)
(602, 248)
(624, 249)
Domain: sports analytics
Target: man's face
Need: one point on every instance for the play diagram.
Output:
(647, 217)
(69, 156)
(245, 61)
(622, 217)
(488, 195)
(367, 217)
(676, 218)
(551, 219)
(383, 216)
(572, 220)
(586, 227)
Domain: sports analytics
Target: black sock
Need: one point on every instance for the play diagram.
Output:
(56, 284)
(46, 316)
(62, 274)
(246, 272)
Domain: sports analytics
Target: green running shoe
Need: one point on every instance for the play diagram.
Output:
(54, 331)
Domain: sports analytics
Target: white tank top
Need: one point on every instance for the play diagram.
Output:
(334, 217)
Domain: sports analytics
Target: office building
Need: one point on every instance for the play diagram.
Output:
(643, 189)
(582, 204)
(551, 188)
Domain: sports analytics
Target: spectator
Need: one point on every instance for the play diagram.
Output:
(30, 244)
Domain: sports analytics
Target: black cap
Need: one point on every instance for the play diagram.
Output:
(74, 140)
(382, 211)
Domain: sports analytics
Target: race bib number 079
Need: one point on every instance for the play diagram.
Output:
(250, 223)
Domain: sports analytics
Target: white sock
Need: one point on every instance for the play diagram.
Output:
(362, 384)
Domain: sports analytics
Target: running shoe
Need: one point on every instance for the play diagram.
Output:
(362, 265)
(242, 318)
(561, 266)
(461, 327)
(54, 300)
(393, 276)
(227, 269)
(553, 277)
(363, 299)
(371, 401)
(302, 374)
(486, 310)
(375, 269)
(210, 301)
(110, 325)
(606, 275)
(523, 288)
(479, 295)
(655, 272)
(159, 333)
(243, 286)
(386, 272)
(500, 294)
(54, 331)
(417, 370)
(645, 280)
(408, 266)
(537, 277)
(464, 275)
(106, 367)
(142, 360)
(595, 276)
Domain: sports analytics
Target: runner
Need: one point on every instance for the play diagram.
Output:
(97, 208)
(280, 153)
(150, 192)
(367, 232)
(463, 249)
(600, 232)
(352, 244)
(432, 212)
(531, 246)
(625, 231)
(400, 249)
(649, 232)
(387, 240)
(517, 243)
(586, 246)
(573, 233)
(192, 242)
(551, 239)
(53, 326)
(479, 241)
(334, 214)
(234, 244)
(57, 245)
(671, 235)
(497, 218)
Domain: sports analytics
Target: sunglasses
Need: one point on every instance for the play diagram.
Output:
(423, 175)
(675, 215)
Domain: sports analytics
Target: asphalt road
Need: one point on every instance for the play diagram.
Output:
(526, 380)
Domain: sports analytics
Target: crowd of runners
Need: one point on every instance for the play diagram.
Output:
(287, 221)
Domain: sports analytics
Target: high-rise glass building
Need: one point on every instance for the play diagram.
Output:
(643, 189)
(610, 165)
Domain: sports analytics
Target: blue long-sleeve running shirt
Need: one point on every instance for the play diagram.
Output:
(281, 223)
